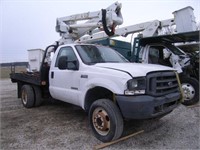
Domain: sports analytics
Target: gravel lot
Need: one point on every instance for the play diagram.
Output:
(64, 126)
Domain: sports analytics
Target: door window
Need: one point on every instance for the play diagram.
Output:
(66, 51)
(153, 55)
(157, 56)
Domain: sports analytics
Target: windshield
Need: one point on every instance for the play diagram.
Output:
(92, 54)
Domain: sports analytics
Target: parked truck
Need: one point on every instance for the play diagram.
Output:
(97, 78)
(161, 50)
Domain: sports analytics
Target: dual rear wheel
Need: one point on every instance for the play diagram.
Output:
(31, 96)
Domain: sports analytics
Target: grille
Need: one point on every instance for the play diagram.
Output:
(161, 83)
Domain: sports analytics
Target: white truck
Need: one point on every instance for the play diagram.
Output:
(98, 79)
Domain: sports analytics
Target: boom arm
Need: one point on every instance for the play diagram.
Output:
(108, 18)
(149, 28)
(183, 19)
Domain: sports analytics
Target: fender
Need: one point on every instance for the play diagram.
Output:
(115, 86)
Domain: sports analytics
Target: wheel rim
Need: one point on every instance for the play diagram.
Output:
(188, 91)
(24, 97)
(101, 121)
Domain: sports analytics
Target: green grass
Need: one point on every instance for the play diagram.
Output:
(5, 71)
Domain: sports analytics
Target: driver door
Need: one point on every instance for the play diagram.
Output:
(64, 83)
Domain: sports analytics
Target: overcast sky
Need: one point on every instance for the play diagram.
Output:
(30, 24)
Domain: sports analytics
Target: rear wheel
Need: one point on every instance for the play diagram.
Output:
(190, 88)
(106, 120)
(27, 96)
(38, 96)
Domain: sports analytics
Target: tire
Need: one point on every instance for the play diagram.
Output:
(27, 96)
(38, 96)
(190, 88)
(106, 120)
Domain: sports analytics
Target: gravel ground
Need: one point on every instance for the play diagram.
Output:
(64, 126)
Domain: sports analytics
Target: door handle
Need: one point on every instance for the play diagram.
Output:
(52, 74)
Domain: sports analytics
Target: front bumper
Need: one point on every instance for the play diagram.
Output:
(146, 107)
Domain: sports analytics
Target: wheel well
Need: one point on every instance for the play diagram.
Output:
(95, 94)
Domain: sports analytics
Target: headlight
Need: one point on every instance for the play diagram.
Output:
(136, 86)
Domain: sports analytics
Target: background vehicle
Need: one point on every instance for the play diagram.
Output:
(161, 50)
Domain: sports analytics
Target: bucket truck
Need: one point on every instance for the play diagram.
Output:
(157, 38)
(97, 78)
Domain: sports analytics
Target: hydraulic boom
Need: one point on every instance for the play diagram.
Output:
(70, 29)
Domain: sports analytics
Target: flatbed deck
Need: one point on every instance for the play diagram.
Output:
(31, 78)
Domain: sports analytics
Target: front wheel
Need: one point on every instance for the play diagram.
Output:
(190, 88)
(106, 120)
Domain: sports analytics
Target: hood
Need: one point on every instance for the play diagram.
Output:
(134, 69)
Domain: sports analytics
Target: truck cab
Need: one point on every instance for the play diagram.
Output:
(79, 68)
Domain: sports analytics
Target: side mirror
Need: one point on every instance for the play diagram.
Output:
(62, 62)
